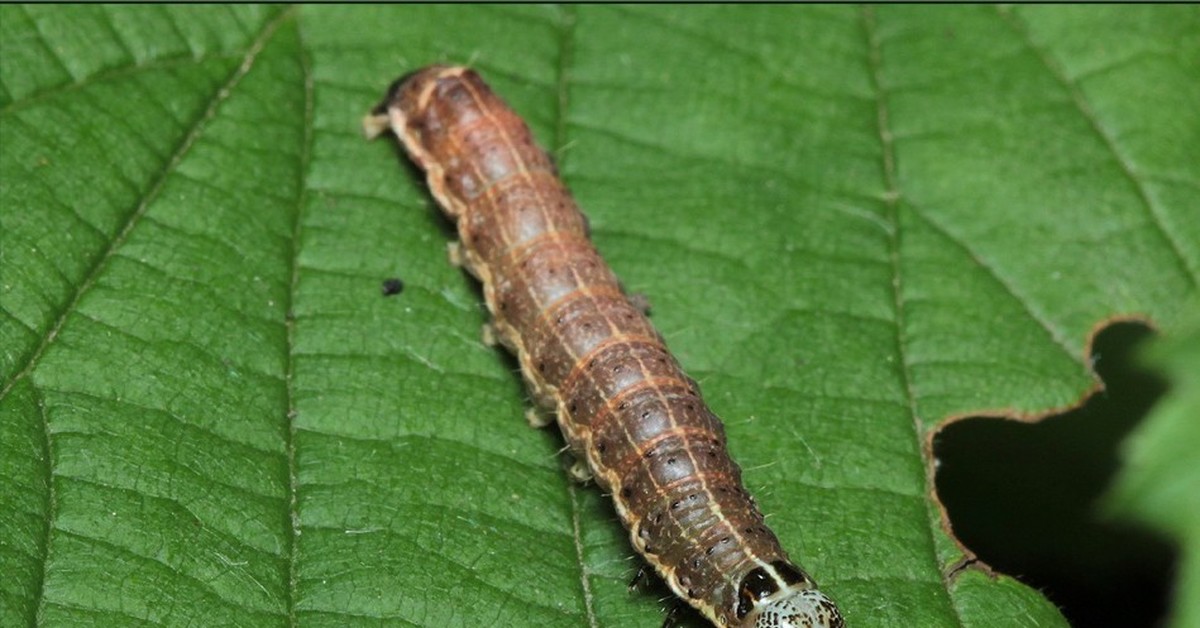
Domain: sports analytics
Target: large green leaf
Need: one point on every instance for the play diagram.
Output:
(854, 224)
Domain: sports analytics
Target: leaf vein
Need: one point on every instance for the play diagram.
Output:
(117, 37)
(202, 586)
(1123, 160)
(134, 217)
(892, 203)
(290, 427)
(164, 63)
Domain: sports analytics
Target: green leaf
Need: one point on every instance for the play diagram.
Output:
(1161, 479)
(854, 225)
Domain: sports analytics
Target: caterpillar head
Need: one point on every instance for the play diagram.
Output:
(783, 596)
(795, 608)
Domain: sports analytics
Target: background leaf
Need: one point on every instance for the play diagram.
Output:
(853, 225)
(1162, 477)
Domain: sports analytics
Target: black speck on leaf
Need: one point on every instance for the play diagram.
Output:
(392, 286)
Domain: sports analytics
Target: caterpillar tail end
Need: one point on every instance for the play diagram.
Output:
(795, 608)
(375, 124)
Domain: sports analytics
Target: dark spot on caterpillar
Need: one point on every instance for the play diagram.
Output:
(601, 447)
(618, 368)
(651, 453)
(541, 366)
(572, 406)
(755, 586)
(392, 286)
(627, 492)
(622, 405)
(670, 461)
(692, 593)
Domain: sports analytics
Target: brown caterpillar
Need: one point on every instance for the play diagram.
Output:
(590, 355)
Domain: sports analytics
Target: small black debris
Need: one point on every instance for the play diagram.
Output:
(392, 286)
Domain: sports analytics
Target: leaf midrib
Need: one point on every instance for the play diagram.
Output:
(290, 354)
(891, 201)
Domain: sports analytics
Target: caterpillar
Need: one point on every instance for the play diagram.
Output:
(592, 357)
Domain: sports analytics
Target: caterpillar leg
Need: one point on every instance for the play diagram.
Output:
(537, 418)
(579, 470)
(375, 124)
(676, 610)
(640, 578)
(488, 335)
(454, 254)
(674, 614)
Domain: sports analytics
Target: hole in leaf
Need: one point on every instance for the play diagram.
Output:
(1025, 497)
